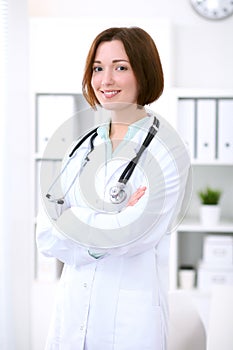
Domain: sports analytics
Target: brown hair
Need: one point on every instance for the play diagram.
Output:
(144, 59)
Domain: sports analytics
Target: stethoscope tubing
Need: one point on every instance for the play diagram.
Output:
(126, 174)
(124, 177)
(94, 132)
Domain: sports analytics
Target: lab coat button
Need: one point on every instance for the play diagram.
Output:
(85, 285)
(81, 328)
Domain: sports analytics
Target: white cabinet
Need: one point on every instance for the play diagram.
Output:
(55, 113)
(205, 121)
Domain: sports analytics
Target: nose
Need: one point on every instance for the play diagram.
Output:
(107, 77)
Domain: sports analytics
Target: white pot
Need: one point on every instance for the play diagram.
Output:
(186, 278)
(209, 215)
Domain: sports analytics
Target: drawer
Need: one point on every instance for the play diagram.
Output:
(211, 276)
(218, 250)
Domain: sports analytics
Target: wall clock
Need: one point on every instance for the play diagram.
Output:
(213, 9)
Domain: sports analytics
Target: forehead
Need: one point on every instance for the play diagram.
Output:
(110, 50)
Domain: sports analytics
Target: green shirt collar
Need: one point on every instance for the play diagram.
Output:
(103, 130)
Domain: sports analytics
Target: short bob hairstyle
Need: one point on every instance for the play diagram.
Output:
(143, 57)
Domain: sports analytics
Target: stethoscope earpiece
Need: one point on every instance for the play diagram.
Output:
(54, 200)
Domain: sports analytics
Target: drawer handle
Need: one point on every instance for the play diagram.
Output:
(218, 279)
(219, 252)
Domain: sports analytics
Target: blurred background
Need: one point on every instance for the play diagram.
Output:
(43, 45)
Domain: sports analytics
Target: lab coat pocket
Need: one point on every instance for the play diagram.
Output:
(138, 322)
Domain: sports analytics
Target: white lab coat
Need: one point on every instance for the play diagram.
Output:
(118, 301)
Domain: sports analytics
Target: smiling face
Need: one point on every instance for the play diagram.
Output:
(113, 79)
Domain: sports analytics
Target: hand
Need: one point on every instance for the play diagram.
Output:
(136, 196)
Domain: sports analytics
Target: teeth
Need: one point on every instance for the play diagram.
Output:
(110, 93)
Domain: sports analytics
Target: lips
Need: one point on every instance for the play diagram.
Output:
(110, 93)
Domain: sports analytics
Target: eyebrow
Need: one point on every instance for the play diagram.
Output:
(114, 61)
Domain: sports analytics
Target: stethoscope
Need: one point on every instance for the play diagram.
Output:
(118, 192)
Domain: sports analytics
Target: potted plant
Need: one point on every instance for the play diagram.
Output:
(210, 208)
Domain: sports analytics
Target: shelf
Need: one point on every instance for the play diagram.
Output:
(194, 292)
(193, 225)
(201, 93)
(216, 162)
(40, 156)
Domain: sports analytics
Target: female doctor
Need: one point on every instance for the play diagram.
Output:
(113, 296)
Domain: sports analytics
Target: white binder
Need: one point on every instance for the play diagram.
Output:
(186, 123)
(53, 111)
(206, 129)
(225, 130)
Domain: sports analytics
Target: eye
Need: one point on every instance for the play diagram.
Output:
(121, 68)
(97, 69)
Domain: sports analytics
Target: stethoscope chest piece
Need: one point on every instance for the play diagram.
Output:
(118, 193)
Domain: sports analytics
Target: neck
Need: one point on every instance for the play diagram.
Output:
(121, 119)
(128, 115)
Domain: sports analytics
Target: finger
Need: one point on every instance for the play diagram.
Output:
(136, 196)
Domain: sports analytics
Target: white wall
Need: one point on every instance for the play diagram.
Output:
(202, 49)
